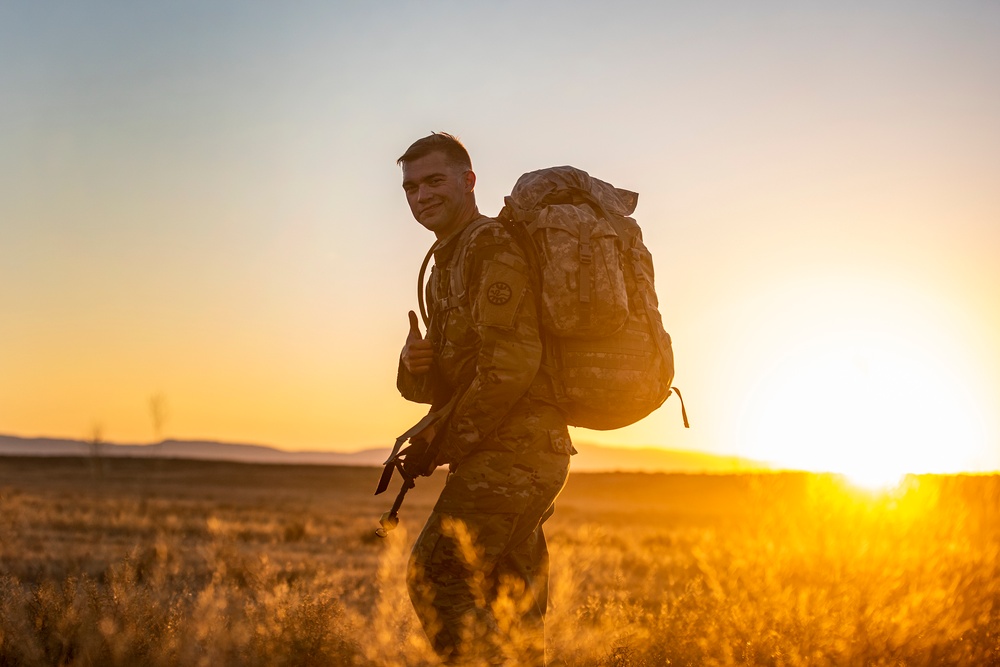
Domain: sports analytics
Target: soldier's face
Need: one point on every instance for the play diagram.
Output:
(439, 194)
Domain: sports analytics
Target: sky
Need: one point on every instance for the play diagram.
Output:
(200, 208)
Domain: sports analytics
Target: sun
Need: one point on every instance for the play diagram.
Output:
(871, 394)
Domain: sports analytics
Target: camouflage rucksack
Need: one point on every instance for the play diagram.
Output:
(606, 351)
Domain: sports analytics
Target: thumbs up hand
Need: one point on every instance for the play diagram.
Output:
(417, 353)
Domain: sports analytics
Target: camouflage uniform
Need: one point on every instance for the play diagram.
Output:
(478, 574)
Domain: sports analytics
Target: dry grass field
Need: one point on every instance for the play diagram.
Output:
(137, 562)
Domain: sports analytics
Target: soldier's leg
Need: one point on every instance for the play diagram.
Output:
(521, 592)
(521, 577)
(490, 511)
(464, 537)
(451, 563)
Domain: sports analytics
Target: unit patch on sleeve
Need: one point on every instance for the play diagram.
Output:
(502, 289)
(498, 293)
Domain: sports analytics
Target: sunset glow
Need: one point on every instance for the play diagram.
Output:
(873, 387)
(201, 201)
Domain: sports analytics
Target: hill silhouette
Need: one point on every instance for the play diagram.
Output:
(592, 457)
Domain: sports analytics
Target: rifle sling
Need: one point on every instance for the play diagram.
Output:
(428, 419)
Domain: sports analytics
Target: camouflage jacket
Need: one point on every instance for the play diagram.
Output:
(487, 349)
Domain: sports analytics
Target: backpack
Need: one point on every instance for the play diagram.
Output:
(608, 357)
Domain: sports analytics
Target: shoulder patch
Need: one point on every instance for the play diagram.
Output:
(501, 292)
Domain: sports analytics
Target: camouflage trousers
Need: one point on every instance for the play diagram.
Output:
(478, 575)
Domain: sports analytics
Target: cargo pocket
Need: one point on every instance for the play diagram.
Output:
(560, 443)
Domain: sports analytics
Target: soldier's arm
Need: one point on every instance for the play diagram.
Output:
(510, 349)
(416, 388)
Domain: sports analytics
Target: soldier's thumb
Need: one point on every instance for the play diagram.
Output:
(414, 326)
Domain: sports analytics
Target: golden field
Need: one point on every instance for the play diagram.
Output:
(147, 562)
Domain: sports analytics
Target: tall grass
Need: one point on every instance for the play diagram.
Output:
(221, 564)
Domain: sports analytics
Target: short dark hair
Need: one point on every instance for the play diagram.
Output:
(438, 142)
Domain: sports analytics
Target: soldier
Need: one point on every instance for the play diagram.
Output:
(478, 574)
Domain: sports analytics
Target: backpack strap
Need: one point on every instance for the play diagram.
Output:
(456, 280)
(456, 291)
(521, 224)
(684, 412)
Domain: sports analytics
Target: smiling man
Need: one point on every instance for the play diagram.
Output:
(439, 189)
(505, 442)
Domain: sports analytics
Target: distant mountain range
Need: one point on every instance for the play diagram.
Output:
(592, 458)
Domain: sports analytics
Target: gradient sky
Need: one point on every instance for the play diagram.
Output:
(200, 201)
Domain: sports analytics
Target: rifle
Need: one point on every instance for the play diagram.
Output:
(396, 461)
